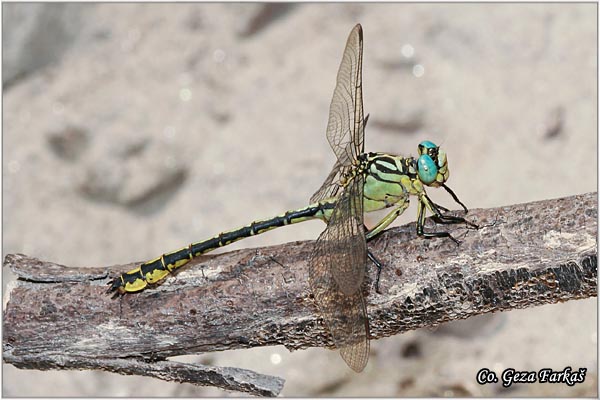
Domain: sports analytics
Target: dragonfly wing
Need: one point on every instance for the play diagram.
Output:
(331, 186)
(345, 128)
(336, 275)
(355, 350)
(342, 245)
(345, 317)
(338, 263)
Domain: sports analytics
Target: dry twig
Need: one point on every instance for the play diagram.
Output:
(523, 255)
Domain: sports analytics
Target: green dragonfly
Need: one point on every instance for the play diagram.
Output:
(359, 182)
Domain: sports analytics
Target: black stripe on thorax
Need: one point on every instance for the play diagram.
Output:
(380, 160)
(409, 163)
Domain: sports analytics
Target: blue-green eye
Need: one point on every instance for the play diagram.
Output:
(426, 145)
(426, 169)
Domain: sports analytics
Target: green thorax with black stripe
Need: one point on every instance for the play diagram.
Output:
(389, 180)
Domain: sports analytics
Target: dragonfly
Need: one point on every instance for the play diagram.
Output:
(359, 182)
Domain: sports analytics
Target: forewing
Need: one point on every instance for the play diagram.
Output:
(336, 275)
(345, 128)
(331, 186)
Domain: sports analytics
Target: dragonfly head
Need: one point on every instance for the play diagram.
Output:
(432, 166)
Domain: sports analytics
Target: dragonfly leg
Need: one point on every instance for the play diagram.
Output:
(455, 197)
(441, 218)
(378, 265)
(426, 203)
(386, 221)
(380, 227)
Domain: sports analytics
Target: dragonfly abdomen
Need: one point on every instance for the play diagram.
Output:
(155, 270)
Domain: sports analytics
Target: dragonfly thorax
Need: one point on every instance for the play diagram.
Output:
(391, 179)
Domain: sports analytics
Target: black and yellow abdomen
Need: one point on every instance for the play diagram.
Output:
(153, 271)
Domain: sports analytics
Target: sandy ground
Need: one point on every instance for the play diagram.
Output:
(165, 124)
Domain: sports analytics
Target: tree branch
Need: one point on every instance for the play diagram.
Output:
(522, 255)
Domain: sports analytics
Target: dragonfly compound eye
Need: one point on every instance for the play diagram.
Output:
(427, 169)
(427, 147)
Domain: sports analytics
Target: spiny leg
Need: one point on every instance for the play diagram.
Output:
(448, 219)
(380, 227)
(423, 205)
(442, 218)
(379, 267)
(455, 197)
(426, 203)
(386, 221)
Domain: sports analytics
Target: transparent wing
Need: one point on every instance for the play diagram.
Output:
(336, 274)
(343, 244)
(331, 186)
(346, 319)
(345, 127)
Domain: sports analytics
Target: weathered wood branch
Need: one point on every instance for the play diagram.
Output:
(523, 255)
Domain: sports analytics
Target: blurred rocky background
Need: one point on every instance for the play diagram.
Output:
(135, 129)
